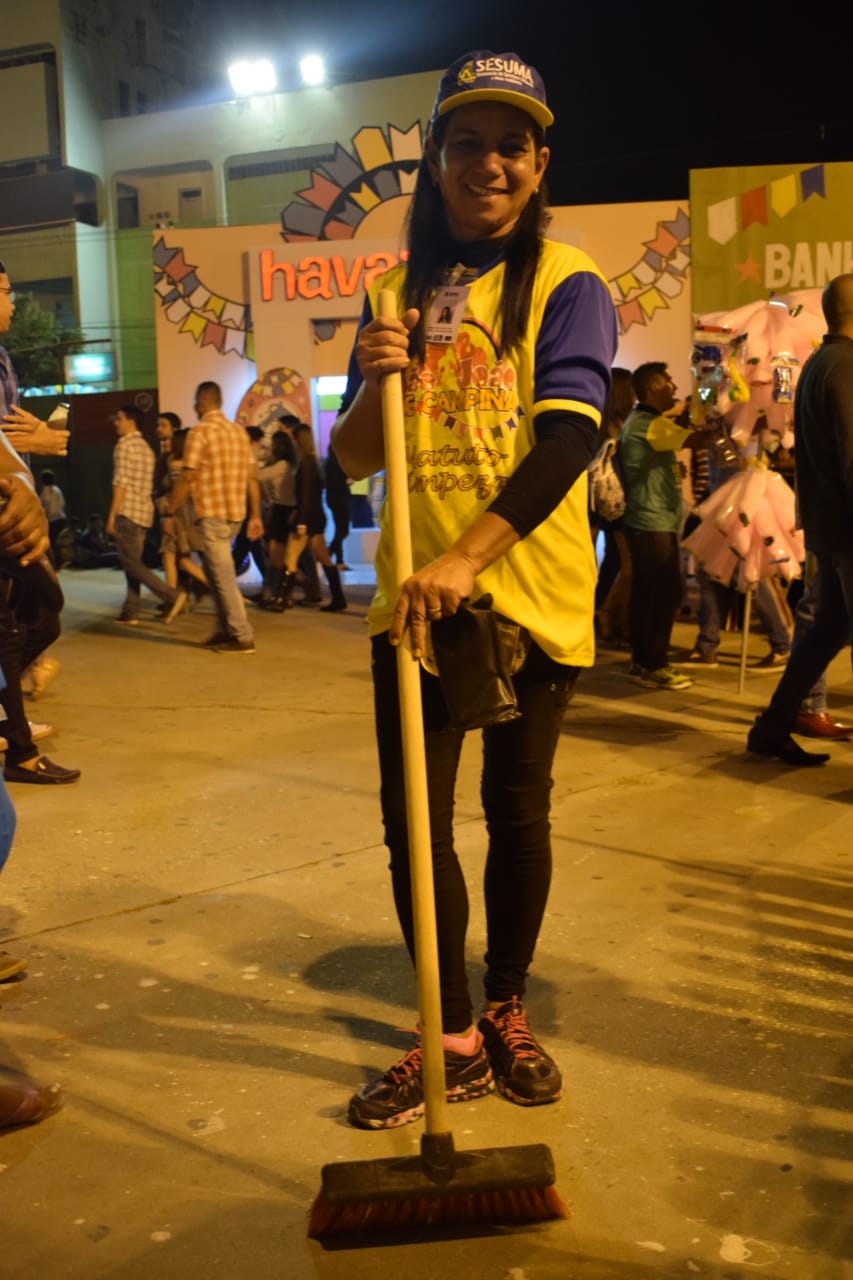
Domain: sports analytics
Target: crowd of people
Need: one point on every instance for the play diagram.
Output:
(516, 535)
(226, 469)
(642, 584)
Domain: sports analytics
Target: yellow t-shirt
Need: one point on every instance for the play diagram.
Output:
(469, 417)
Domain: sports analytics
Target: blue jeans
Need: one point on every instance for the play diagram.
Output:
(216, 539)
(714, 602)
(815, 647)
(7, 823)
(130, 539)
(516, 795)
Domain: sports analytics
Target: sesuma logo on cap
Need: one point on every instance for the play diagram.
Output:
(485, 76)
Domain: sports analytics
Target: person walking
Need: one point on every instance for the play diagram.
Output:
(219, 472)
(309, 523)
(823, 453)
(132, 513)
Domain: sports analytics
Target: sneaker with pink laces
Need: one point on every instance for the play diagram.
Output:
(523, 1070)
(397, 1097)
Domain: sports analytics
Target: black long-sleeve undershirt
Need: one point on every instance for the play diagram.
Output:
(566, 443)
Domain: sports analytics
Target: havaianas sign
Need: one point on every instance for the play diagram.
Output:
(320, 277)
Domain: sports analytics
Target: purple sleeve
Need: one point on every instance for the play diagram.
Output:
(575, 347)
(354, 378)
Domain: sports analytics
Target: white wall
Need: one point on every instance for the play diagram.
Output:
(221, 130)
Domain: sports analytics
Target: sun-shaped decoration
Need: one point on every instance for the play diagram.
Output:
(358, 193)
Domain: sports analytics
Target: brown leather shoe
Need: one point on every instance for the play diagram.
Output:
(27, 1103)
(820, 724)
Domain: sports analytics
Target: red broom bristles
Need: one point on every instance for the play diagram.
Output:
(508, 1206)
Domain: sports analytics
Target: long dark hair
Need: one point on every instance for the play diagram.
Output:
(431, 247)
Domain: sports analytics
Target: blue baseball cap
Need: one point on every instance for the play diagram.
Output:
(484, 76)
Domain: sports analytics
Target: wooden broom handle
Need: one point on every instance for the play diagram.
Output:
(414, 754)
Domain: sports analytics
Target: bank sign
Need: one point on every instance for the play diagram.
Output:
(776, 228)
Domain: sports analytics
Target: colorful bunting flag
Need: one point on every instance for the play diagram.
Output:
(813, 182)
(195, 324)
(651, 301)
(722, 220)
(178, 310)
(753, 207)
(783, 195)
(214, 335)
(630, 313)
(235, 340)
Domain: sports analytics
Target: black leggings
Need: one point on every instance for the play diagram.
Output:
(516, 792)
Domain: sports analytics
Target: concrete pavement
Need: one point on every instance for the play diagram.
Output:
(214, 966)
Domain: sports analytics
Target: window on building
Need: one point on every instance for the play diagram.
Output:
(190, 207)
(141, 102)
(127, 205)
(140, 33)
(123, 98)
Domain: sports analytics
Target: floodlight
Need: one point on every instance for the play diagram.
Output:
(248, 78)
(313, 69)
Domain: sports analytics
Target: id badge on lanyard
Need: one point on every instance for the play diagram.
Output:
(445, 314)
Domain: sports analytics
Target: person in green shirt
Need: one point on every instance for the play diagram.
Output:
(648, 444)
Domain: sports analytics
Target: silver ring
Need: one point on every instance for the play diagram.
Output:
(435, 613)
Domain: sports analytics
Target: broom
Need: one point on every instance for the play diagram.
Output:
(441, 1186)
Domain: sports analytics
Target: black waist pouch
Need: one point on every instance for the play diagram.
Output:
(473, 666)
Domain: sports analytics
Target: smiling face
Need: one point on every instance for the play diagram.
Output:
(486, 168)
(7, 307)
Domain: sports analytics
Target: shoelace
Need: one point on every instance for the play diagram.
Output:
(515, 1032)
(408, 1066)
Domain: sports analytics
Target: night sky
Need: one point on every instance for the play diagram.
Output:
(641, 94)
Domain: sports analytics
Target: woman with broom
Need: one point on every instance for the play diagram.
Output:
(505, 343)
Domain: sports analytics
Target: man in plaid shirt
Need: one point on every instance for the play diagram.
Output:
(219, 470)
(132, 512)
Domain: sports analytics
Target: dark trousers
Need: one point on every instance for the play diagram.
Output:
(656, 591)
(242, 547)
(611, 560)
(516, 795)
(130, 542)
(814, 648)
(21, 642)
(338, 504)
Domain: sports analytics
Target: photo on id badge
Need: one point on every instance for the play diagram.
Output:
(445, 314)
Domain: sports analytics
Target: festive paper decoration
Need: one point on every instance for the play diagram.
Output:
(736, 213)
(276, 392)
(346, 188)
(656, 277)
(746, 530)
(772, 338)
(210, 320)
